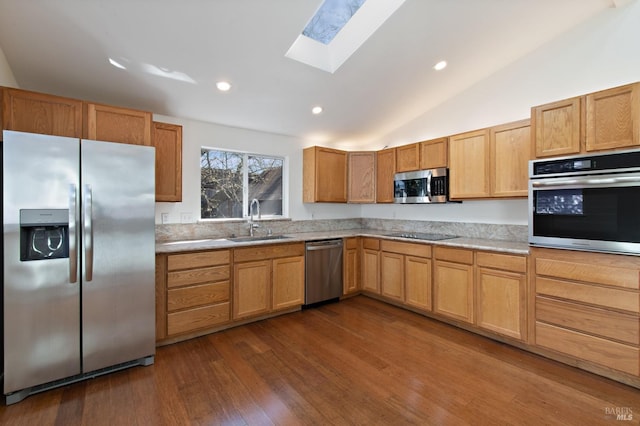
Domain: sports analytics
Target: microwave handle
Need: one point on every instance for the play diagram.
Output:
(429, 186)
(587, 182)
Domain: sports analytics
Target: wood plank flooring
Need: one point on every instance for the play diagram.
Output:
(359, 361)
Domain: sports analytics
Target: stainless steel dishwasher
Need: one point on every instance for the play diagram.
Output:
(323, 271)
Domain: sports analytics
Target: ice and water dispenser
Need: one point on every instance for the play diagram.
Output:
(44, 234)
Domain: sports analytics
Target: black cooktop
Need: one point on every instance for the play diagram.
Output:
(422, 236)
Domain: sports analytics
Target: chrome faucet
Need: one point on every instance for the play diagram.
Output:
(252, 225)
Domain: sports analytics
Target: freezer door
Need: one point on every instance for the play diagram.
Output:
(40, 295)
(118, 225)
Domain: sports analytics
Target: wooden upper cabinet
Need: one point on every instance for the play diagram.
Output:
(434, 153)
(469, 165)
(612, 118)
(324, 175)
(510, 146)
(115, 124)
(167, 139)
(361, 177)
(408, 158)
(556, 127)
(385, 171)
(32, 112)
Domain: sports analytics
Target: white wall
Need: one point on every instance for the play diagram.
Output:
(601, 53)
(197, 134)
(6, 75)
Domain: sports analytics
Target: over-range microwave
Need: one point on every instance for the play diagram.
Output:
(422, 186)
(587, 202)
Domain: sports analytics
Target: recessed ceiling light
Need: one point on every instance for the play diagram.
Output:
(440, 65)
(316, 110)
(223, 86)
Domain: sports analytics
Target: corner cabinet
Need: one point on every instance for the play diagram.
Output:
(324, 175)
(361, 177)
(115, 124)
(167, 139)
(267, 278)
(33, 112)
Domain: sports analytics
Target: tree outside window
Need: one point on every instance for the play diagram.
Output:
(230, 180)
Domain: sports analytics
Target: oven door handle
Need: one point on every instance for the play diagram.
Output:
(585, 182)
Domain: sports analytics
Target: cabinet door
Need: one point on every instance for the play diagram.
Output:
(351, 279)
(370, 270)
(251, 289)
(434, 153)
(167, 139)
(501, 302)
(288, 282)
(556, 128)
(469, 165)
(453, 290)
(510, 155)
(417, 273)
(408, 158)
(32, 112)
(613, 118)
(392, 275)
(362, 177)
(324, 175)
(115, 124)
(385, 171)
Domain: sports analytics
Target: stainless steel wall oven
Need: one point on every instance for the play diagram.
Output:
(588, 202)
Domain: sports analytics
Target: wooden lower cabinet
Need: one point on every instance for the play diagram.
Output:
(405, 273)
(267, 278)
(351, 264)
(587, 307)
(192, 292)
(501, 285)
(371, 265)
(453, 283)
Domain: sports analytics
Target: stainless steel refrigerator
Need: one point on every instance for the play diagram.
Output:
(79, 249)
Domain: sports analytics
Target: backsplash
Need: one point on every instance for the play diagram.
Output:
(205, 230)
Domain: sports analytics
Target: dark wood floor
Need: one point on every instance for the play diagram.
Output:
(359, 361)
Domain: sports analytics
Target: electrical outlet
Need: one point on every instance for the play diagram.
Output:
(186, 217)
(165, 217)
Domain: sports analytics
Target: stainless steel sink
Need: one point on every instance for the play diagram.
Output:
(257, 238)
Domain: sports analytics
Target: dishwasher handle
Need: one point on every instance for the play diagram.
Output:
(324, 245)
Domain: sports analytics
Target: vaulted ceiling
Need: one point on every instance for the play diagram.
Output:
(171, 53)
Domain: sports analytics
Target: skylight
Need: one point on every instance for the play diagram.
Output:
(328, 45)
(330, 18)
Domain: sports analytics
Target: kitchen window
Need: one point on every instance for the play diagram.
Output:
(229, 180)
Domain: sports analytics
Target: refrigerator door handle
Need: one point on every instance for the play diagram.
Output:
(88, 232)
(73, 246)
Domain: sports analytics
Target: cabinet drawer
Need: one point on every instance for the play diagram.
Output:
(502, 261)
(197, 260)
(194, 319)
(454, 255)
(198, 295)
(419, 250)
(196, 276)
(371, 243)
(594, 349)
(269, 251)
(625, 300)
(598, 269)
(601, 322)
(351, 243)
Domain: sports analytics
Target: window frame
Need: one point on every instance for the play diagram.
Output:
(245, 186)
